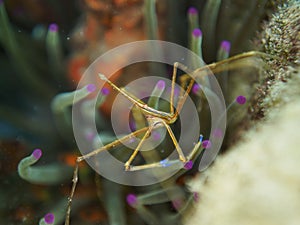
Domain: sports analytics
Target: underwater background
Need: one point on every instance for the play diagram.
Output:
(46, 46)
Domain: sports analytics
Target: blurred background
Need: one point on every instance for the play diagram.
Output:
(46, 45)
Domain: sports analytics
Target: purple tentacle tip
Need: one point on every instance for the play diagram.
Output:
(37, 153)
(131, 199)
(197, 33)
(105, 91)
(192, 11)
(156, 135)
(53, 27)
(188, 165)
(196, 88)
(177, 204)
(196, 196)
(161, 84)
(241, 99)
(176, 91)
(218, 133)
(226, 45)
(49, 218)
(91, 88)
(90, 136)
(132, 125)
(1, 1)
(206, 144)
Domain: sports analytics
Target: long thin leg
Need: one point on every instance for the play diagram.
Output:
(234, 61)
(228, 64)
(130, 97)
(70, 199)
(129, 161)
(81, 158)
(166, 162)
(172, 88)
(178, 148)
(112, 144)
(186, 93)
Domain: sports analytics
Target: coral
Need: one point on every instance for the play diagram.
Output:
(280, 38)
(257, 180)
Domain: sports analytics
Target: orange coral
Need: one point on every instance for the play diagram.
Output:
(107, 24)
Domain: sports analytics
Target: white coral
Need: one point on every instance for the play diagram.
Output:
(258, 181)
